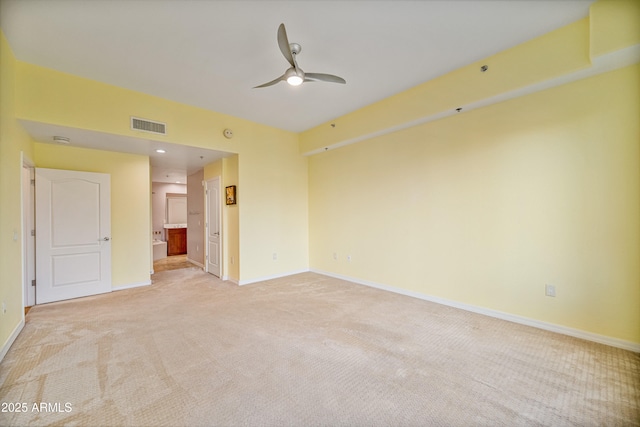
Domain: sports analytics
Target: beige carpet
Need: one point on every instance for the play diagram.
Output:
(306, 350)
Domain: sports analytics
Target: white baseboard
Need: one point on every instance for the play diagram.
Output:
(132, 285)
(576, 333)
(275, 276)
(7, 345)
(196, 263)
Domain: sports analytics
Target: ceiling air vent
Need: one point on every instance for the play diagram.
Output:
(148, 126)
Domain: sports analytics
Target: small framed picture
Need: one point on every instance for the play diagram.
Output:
(231, 195)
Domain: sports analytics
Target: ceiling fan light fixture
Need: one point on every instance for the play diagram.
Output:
(295, 80)
(294, 77)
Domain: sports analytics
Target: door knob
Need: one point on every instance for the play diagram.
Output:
(106, 239)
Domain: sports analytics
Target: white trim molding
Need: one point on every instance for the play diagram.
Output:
(275, 276)
(564, 330)
(132, 285)
(7, 345)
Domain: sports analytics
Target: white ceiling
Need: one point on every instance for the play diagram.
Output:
(211, 54)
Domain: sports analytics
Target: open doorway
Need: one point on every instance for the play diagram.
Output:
(178, 211)
(169, 223)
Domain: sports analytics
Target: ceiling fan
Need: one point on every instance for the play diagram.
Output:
(294, 75)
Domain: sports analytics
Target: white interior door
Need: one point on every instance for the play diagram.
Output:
(213, 226)
(73, 234)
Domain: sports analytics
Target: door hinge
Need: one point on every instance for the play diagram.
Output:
(33, 233)
(33, 182)
(33, 282)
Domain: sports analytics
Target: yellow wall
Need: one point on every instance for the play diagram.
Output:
(487, 207)
(272, 175)
(615, 24)
(213, 170)
(276, 208)
(130, 207)
(13, 141)
(231, 223)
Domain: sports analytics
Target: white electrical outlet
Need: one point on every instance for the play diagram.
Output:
(335, 256)
(232, 261)
(348, 258)
(550, 290)
(275, 256)
(4, 307)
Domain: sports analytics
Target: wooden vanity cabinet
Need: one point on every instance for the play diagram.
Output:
(176, 241)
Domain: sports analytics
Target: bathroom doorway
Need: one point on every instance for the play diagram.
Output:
(169, 222)
(178, 220)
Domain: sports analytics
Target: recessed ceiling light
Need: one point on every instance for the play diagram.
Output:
(160, 150)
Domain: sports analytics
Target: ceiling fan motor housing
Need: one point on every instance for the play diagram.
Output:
(295, 48)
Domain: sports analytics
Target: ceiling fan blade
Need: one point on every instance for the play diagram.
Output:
(283, 43)
(320, 77)
(271, 83)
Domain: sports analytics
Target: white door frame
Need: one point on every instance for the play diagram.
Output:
(28, 232)
(208, 185)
